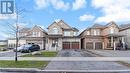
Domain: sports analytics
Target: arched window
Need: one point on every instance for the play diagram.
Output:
(55, 30)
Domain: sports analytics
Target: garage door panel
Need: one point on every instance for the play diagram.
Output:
(66, 45)
(70, 45)
(98, 45)
(75, 45)
(89, 45)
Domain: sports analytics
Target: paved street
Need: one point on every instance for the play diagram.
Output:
(82, 65)
(10, 54)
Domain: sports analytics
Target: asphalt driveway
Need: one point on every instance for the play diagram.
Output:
(82, 65)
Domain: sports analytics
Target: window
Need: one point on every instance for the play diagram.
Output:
(39, 34)
(75, 33)
(54, 31)
(36, 34)
(67, 33)
(25, 34)
(111, 30)
(33, 34)
(54, 42)
(88, 33)
(96, 32)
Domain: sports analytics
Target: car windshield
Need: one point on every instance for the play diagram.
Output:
(27, 46)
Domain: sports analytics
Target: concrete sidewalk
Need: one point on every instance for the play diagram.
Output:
(5, 51)
(112, 53)
(110, 59)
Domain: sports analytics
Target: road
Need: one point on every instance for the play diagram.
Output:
(82, 65)
(10, 54)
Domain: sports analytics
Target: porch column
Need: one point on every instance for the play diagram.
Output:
(123, 42)
(85, 44)
(48, 43)
(79, 43)
(112, 42)
(43, 44)
(70, 45)
(103, 45)
(94, 45)
(114, 46)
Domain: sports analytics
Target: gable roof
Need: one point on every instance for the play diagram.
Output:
(110, 23)
(39, 28)
(97, 26)
(61, 21)
(124, 26)
(24, 30)
(62, 27)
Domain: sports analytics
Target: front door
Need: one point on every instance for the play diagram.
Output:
(54, 43)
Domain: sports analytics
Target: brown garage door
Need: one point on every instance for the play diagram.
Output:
(66, 45)
(98, 45)
(89, 45)
(75, 45)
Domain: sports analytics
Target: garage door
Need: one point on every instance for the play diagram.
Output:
(70, 45)
(66, 45)
(75, 45)
(98, 45)
(89, 45)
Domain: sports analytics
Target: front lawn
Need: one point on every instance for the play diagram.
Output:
(23, 64)
(43, 54)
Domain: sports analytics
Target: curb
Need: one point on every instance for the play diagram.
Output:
(35, 70)
(19, 70)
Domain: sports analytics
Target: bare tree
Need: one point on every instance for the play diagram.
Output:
(16, 28)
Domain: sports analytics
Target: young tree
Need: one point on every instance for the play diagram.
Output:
(16, 27)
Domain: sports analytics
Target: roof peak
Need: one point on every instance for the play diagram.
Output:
(58, 20)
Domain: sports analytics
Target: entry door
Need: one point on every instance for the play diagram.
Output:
(54, 42)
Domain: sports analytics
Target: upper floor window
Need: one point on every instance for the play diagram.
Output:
(33, 34)
(67, 33)
(88, 33)
(55, 30)
(111, 30)
(75, 33)
(36, 34)
(96, 32)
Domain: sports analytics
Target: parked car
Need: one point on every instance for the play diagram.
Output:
(19, 48)
(30, 48)
(10, 48)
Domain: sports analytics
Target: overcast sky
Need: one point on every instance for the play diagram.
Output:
(77, 13)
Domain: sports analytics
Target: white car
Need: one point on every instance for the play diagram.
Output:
(19, 48)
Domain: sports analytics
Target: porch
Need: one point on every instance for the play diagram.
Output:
(114, 42)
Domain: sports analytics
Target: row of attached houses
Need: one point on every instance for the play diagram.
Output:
(62, 36)
(59, 36)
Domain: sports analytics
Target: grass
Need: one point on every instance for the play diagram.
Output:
(23, 64)
(43, 54)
